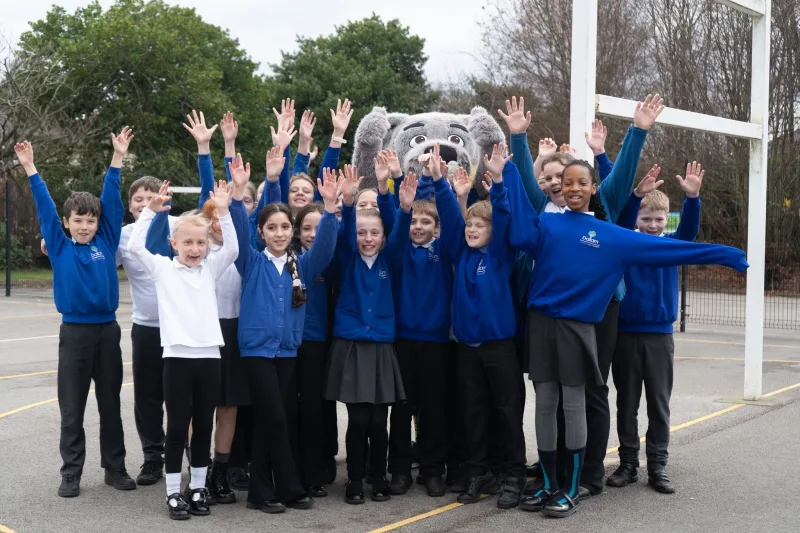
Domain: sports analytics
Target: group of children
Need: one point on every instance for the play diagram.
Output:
(257, 312)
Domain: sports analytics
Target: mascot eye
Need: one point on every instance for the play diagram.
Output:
(417, 140)
(455, 139)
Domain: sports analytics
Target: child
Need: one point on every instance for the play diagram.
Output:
(423, 286)
(364, 372)
(270, 331)
(86, 290)
(645, 348)
(488, 372)
(565, 302)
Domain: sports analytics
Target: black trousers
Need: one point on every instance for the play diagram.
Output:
(274, 395)
(424, 368)
(643, 358)
(191, 393)
(598, 414)
(89, 352)
(148, 390)
(489, 377)
(315, 413)
(366, 422)
(456, 454)
(242, 438)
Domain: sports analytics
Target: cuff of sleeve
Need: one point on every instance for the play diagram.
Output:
(206, 158)
(236, 203)
(114, 172)
(602, 158)
(305, 158)
(441, 185)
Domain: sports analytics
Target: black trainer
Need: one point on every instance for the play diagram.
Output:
(238, 478)
(401, 482)
(318, 491)
(151, 472)
(70, 486)
(197, 500)
(119, 479)
(625, 474)
(477, 485)
(658, 479)
(512, 492)
(218, 487)
(178, 508)
(434, 486)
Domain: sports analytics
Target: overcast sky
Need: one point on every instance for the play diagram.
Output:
(450, 27)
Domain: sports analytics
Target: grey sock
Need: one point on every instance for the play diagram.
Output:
(220, 457)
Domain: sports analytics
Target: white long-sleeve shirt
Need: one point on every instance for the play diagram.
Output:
(187, 302)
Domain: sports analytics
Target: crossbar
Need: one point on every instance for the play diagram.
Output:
(754, 8)
(194, 190)
(622, 108)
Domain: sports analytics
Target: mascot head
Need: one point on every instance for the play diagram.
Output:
(464, 139)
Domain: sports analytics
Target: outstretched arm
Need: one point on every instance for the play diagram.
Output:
(241, 175)
(647, 250)
(136, 244)
(202, 135)
(319, 256)
(219, 262)
(689, 225)
(112, 209)
(157, 240)
(49, 221)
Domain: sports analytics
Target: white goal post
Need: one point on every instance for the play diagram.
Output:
(585, 103)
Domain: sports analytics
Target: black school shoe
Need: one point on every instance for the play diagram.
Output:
(381, 491)
(511, 495)
(270, 507)
(178, 508)
(477, 485)
(401, 482)
(317, 492)
(238, 478)
(301, 502)
(658, 479)
(198, 501)
(150, 473)
(119, 479)
(535, 502)
(219, 489)
(70, 486)
(625, 474)
(434, 486)
(354, 492)
(560, 505)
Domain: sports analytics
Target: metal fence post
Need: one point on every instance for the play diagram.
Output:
(8, 236)
(684, 274)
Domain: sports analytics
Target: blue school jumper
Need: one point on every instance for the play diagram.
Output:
(651, 304)
(85, 282)
(483, 308)
(268, 324)
(365, 307)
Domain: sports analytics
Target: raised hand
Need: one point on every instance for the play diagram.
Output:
(157, 202)
(122, 141)
(394, 163)
(516, 119)
(275, 163)
(349, 182)
(240, 174)
(24, 151)
(329, 189)
(307, 123)
(313, 154)
(341, 117)
(201, 133)
(693, 181)
(488, 179)
(547, 147)
(382, 171)
(286, 116)
(284, 135)
(435, 163)
(408, 192)
(567, 149)
(221, 196)
(647, 112)
(498, 161)
(649, 183)
(597, 139)
(230, 128)
(462, 184)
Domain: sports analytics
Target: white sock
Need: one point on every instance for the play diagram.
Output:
(198, 480)
(173, 483)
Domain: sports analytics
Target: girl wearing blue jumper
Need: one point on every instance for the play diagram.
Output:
(484, 326)
(608, 203)
(564, 304)
(191, 336)
(270, 332)
(364, 372)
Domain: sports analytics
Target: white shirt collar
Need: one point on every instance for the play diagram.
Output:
(369, 260)
(428, 245)
(279, 262)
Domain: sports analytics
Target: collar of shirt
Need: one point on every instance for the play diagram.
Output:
(279, 262)
(428, 245)
(369, 260)
(484, 249)
(178, 265)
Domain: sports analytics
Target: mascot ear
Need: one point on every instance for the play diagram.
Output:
(372, 136)
(486, 132)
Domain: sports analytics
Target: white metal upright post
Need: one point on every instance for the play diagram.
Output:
(757, 207)
(584, 68)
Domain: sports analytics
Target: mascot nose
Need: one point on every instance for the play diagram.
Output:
(448, 153)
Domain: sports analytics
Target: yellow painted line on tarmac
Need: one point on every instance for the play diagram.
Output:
(738, 359)
(6, 529)
(672, 429)
(39, 374)
(37, 404)
(735, 343)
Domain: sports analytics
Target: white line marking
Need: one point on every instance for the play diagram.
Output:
(41, 337)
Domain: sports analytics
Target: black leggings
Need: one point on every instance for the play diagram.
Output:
(366, 420)
(191, 393)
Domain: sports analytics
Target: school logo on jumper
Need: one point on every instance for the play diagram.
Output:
(432, 257)
(590, 240)
(97, 255)
(382, 274)
(481, 268)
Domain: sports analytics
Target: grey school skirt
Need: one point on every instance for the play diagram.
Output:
(364, 372)
(561, 350)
